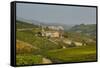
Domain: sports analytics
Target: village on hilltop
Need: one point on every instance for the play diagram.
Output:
(51, 31)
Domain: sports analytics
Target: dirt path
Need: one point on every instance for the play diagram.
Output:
(46, 61)
(24, 29)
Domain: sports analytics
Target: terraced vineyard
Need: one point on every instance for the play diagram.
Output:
(40, 42)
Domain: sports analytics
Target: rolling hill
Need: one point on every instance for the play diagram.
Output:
(33, 49)
(88, 29)
(22, 24)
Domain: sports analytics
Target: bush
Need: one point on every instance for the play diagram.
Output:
(24, 59)
(72, 44)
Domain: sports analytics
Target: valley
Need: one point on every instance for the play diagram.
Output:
(42, 44)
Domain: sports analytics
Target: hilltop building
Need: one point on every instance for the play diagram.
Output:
(51, 34)
(52, 31)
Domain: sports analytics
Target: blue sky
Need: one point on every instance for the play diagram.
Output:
(56, 14)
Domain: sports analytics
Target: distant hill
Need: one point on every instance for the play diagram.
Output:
(66, 26)
(89, 29)
(22, 24)
(35, 22)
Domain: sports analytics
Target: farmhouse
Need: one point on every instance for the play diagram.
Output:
(51, 34)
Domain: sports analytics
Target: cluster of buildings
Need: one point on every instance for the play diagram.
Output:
(51, 31)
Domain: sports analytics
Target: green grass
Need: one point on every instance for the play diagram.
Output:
(25, 59)
(75, 54)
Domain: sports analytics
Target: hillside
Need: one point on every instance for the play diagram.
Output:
(89, 29)
(30, 45)
(75, 54)
(22, 24)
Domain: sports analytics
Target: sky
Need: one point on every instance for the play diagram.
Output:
(56, 14)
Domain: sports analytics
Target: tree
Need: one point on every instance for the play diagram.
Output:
(72, 44)
(83, 43)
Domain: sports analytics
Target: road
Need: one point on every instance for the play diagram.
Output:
(24, 29)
